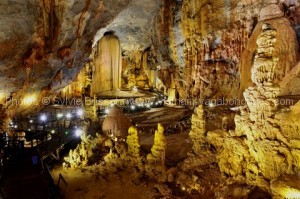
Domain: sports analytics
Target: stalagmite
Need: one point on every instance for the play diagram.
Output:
(267, 151)
(155, 166)
(133, 156)
(151, 73)
(229, 68)
(82, 154)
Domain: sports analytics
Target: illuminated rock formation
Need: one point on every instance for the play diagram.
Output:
(286, 187)
(263, 146)
(81, 156)
(262, 99)
(155, 166)
(284, 50)
(116, 124)
(137, 72)
(271, 11)
(263, 70)
(211, 45)
(151, 71)
(46, 43)
(108, 65)
(80, 85)
(290, 84)
(206, 40)
(197, 133)
(200, 156)
(133, 156)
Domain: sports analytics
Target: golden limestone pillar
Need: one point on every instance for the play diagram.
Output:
(108, 65)
(151, 73)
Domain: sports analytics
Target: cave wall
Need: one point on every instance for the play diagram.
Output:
(203, 49)
(197, 49)
(264, 147)
(45, 44)
(209, 45)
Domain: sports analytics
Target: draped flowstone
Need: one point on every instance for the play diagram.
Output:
(108, 66)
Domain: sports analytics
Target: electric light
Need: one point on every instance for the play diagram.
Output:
(135, 89)
(132, 107)
(16, 126)
(148, 106)
(291, 193)
(211, 105)
(107, 111)
(29, 100)
(52, 131)
(59, 115)
(43, 118)
(31, 121)
(80, 112)
(78, 132)
(68, 115)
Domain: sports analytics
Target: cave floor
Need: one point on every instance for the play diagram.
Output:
(90, 183)
(105, 181)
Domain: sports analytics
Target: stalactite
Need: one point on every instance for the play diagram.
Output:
(51, 20)
(82, 19)
(108, 65)
(78, 85)
(207, 45)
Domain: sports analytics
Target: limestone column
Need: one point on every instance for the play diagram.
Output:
(108, 65)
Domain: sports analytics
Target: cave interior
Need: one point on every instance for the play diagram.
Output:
(177, 99)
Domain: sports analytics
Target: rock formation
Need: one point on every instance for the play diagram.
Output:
(155, 166)
(200, 156)
(197, 133)
(107, 65)
(286, 44)
(188, 49)
(137, 73)
(48, 39)
(262, 147)
(82, 155)
(116, 124)
(206, 40)
(133, 155)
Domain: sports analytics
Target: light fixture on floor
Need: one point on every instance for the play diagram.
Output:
(211, 105)
(59, 115)
(43, 118)
(68, 115)
(135, 89)
(78, 132)
(80, 112)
